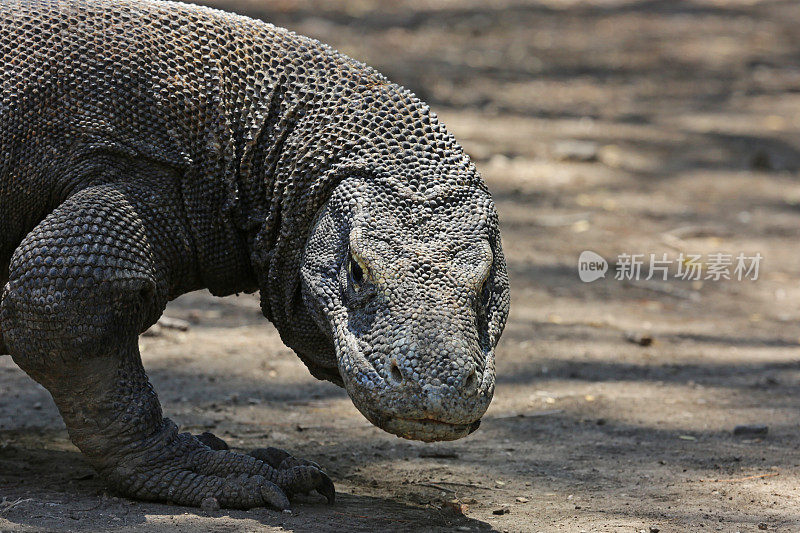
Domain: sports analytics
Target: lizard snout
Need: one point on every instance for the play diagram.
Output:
(426, 397)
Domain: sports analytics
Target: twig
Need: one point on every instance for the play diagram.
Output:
(531, 415)
(698, 232)
(435, 486)
(470, 485)
(664, 288)
(89, 509)
(438, 455)
(736, 479)
(7, 505)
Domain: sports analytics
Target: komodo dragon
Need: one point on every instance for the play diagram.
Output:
(149, 148)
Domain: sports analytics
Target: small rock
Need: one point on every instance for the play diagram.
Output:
(502, 510)
(654, 529)
(642, 339)
(456, 507)
(438, 455)
(762, 526)
(522, 499)
(287, 511)
(209, 505)
(751, 429)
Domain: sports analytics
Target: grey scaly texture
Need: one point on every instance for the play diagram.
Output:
(148, 149)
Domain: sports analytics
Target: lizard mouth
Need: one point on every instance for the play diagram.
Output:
(428, 429)
(407, 415)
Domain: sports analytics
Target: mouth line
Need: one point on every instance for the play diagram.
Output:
(434, 422)
(428, 420)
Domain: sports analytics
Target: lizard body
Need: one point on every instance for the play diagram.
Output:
(149, 148)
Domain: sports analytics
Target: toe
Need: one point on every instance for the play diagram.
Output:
(301, 479)
(274, 496)
(212, 441)
(272, 456)
(280, 459)
(246, 492)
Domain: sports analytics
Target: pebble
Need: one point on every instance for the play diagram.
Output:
(501, 510)
(456, 507)
(751, 429)
(642, 339)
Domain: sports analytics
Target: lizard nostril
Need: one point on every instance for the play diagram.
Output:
(396, 375)
(471, 381)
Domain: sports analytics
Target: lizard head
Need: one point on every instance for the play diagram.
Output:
(412, 291)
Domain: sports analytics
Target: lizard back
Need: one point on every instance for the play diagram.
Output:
(96, 91)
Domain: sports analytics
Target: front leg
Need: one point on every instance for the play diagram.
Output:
(83, 285)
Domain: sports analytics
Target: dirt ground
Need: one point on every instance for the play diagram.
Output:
(652, 126)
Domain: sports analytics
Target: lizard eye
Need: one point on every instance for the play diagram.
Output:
(356, 273)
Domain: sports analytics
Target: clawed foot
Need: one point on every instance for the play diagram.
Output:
(280, 460)
(186, 470)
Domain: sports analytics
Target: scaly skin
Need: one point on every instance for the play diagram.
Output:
(148, 149)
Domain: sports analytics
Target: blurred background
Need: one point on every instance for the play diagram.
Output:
(616, 126)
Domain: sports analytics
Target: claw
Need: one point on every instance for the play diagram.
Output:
(327, 489)
(274, 496)
(304, 478)
(297, 482)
